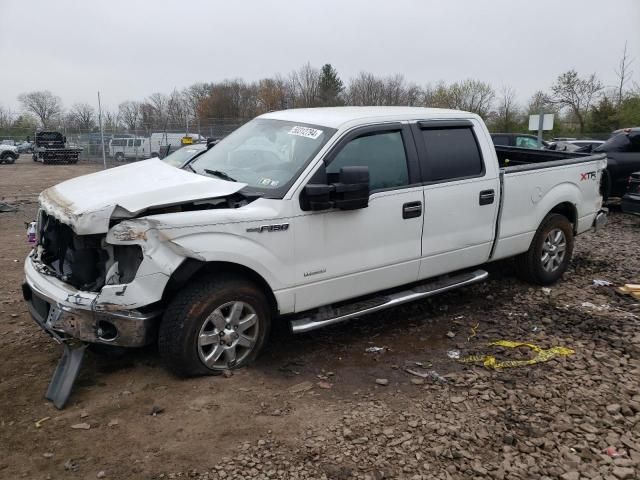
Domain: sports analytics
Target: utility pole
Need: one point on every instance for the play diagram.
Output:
(104, 157)
(540, 125)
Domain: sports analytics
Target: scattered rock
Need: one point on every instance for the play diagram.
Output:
(101, 474)
(81, 426)
(382, 381)
(300, 387)
(624, 473)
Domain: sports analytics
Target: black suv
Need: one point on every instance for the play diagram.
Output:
(623, 158)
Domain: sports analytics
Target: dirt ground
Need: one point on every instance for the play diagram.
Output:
(320, 406)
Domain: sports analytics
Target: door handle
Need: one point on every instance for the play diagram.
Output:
(487, 197)
(411, 210)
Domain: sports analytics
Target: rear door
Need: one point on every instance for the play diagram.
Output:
(461, 195)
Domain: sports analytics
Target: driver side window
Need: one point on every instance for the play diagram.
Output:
(382, 152)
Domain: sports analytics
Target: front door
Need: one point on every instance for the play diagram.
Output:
(342, 254)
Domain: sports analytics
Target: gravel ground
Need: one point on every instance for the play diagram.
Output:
(320, 406)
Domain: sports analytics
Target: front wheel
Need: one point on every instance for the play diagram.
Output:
(550, 252)
(214, 324)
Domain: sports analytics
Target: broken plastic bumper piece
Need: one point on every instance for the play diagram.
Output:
(67, 314)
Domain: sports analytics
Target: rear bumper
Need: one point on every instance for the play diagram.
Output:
(630, 204)
(65, 313)
(600, 220)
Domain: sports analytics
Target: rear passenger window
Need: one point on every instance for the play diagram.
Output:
(383, 153)
(500, 140)
(451, 153)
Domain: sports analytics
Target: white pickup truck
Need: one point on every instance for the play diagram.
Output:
(310, 217)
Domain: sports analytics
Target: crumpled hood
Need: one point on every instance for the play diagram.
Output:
(87, 203)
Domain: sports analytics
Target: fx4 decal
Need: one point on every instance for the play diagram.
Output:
(588, 176)
(279, 227)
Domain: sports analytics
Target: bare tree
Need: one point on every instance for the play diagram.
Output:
(624, 74)
(43, 104)
(5, 117)
(577, 94)
(306, 84)
(365, 89)
(82, 116)
(507, 111)
(110, 121)
(130, 113)
(472, 96)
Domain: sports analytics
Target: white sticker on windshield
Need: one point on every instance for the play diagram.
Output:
(305, 132)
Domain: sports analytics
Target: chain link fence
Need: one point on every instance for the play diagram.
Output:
(121, 145)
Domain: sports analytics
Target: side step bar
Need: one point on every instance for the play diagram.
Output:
(330, 315)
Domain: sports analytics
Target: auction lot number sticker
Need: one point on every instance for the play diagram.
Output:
(305, 132)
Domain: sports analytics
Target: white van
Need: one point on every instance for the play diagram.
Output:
(162, 139)
(129, 148)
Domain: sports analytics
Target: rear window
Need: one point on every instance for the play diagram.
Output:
(451, 153)
(500, 139)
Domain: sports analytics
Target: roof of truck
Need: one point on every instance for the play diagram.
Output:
(335, 117)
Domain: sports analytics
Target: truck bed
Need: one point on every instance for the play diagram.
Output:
(515, 159)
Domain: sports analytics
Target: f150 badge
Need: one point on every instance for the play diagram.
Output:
(278, 227)
(588, 176)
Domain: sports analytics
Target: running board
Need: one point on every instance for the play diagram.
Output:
(330, 315)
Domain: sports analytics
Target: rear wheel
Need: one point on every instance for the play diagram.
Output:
(119, 157)
(214, 324)
(550, 252)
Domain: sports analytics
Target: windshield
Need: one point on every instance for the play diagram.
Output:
(182, 155)
(265, 154)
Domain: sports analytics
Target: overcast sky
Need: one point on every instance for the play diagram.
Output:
(130, 49)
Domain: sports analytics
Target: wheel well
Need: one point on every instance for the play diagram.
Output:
(567, 209)
(191, 269)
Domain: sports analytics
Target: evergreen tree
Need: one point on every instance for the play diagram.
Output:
(331, 86)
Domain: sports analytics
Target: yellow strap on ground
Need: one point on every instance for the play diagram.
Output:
(542, 355)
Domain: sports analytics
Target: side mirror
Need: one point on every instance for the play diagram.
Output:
(352, 189)
(349, 191)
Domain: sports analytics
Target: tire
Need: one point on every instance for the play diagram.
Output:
(34, 157)
(550, 252)
(155, 155)
(204, 309)
(119, 157)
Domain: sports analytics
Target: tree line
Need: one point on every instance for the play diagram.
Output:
(582, 103)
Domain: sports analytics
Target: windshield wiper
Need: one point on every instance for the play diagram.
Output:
(220, 174)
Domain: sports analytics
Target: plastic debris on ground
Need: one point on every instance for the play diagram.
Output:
(601, 283)
(474, 331)
(593, 306)
(430, 374)
(542, 355)
(454, 354)
(612, 452)
(374, 349)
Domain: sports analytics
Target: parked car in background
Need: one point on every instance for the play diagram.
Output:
(184, 155)
(160, 141)
(25, 147)
(631, 201)
(129, 148)
(623, 154)
(522, 140)
(7, 141)
(8, 153)
(52, 147)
